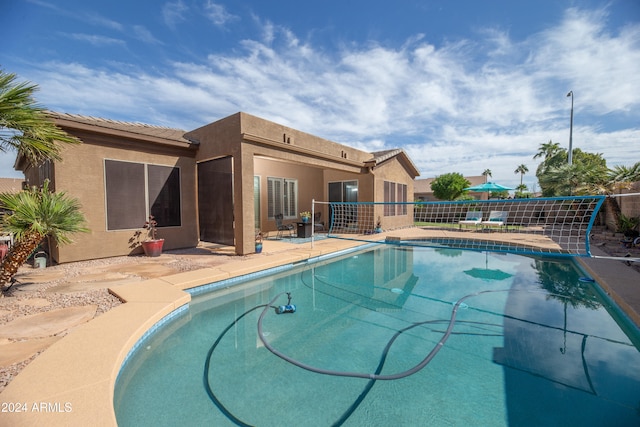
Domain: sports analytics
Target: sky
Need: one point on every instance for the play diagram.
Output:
(461, 85)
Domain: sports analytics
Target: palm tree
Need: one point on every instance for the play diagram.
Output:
(624, 174)
(486, 173)
(25, 126)
(547, 150)
(522, 169)
(33, 215)
(619, 178)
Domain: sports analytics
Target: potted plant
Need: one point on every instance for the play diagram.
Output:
(306, 216)
(258, 241)
(152, 245)
(378, 226)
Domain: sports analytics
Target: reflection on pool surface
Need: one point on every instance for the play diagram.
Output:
(477, 339)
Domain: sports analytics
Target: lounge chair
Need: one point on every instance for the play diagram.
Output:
(496, 219)
(472, 218)
(283, 227)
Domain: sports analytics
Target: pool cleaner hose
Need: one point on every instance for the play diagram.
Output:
(373, 376)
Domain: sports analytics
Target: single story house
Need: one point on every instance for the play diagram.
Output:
(218, 183)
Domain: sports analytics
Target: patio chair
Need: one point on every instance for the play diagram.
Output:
(318, 225)
(283, 227)
(472, 218)
(496, 219)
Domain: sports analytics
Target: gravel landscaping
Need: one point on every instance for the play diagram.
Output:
(32, 296)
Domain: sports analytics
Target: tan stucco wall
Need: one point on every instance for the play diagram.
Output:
(288, 152)
(297, 139)
(310, 186)
(393, 171)
(81, 175)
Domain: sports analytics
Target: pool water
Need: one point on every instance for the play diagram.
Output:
(504, 340)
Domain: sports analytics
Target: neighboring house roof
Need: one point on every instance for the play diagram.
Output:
(132, 130)
(383, 156)
(423, 185)
(477, 180)
(11, 185)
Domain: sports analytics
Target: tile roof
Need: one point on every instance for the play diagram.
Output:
(422, 185)
(10, 185)
(381, 156)
(162, 132)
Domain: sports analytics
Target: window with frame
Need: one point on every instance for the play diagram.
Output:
(395, 198)
(136, 190)
(282, 197)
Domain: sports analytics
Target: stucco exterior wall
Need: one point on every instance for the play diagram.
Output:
(257, 143)
(310, 186)
(297, 139)
(393, 171)
(81, 175)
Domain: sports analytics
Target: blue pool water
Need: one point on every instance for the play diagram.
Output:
(504, 340)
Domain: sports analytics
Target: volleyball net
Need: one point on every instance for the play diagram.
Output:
(538, 226)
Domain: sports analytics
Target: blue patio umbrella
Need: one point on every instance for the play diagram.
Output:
(487, 273)
(488, 186)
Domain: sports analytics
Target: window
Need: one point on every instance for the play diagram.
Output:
(389, 198)
(343, 191)
(401, 197)
(282, 197)
(136, 190)
(395, 197)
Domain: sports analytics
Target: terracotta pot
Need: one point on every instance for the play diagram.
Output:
(3, 251)
(153, 247)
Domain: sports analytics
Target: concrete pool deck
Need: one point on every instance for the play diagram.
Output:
(72, 382)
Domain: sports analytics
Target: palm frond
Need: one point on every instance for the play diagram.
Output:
(25, 126)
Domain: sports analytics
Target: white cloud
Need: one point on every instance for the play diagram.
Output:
(101, 21)
(464, 106)
(600, 67)
(173, 13)
(144, 35)
(96, 40)
(217, 14)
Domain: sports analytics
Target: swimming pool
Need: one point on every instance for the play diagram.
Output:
(469, 338)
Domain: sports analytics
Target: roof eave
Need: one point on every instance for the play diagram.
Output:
(94, 128)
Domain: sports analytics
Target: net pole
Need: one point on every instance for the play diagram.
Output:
(313, 220)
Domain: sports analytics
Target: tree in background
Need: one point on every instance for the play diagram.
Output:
(622, 176)
(619, 178)
(35, 214)
(552, 156)
(486, 174)
(522, 169)
(547, 150)
(521, 192)
(449, 186)
(25, 126)
(587, 174)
